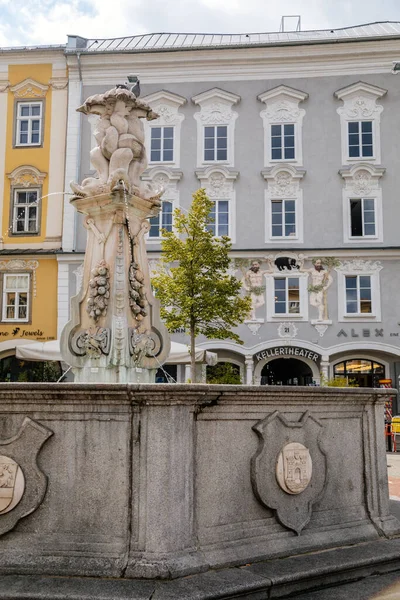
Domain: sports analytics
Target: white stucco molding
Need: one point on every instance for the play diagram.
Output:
(29, 88)
(218, 182)
(282, 106)
(216, 109)
(26, 176)
(284, 183)
(358, 266)
(166, 105)
(359, 104)
(168, 179)
(362, 180)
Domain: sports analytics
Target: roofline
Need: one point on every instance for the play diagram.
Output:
(33, 48)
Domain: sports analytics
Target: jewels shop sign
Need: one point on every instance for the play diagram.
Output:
(293, 351)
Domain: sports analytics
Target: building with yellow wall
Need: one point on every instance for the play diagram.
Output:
(33, 112)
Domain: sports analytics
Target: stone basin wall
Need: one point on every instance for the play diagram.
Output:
(166, 480)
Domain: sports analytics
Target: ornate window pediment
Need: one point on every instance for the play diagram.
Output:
(215, 126)
(218, 181)
(26, 176)
(362, 203)
(360, 122)
(166, 178)
(163, 134)
(283, 204)
(282, 119)
(29, 88)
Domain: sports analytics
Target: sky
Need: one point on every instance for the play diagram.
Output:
(31, 22)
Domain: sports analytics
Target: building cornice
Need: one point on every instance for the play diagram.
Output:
(357, 58)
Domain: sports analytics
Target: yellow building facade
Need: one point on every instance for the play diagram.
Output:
(33, 115)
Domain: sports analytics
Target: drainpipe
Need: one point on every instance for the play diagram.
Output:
(79, 141)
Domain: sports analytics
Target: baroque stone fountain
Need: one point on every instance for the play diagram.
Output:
(115, 334)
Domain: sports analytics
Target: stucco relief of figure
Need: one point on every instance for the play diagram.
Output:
(253, 284)
(120, 155)
(320, 280)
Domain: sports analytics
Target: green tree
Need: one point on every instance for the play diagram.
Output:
(224, 373)
(194, 288)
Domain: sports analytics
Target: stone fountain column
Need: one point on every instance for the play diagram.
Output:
(115, 333)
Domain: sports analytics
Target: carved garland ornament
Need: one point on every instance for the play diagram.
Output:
(99, 291)
(26, 176)
(21, 265)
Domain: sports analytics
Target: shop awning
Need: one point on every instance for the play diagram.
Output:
(51, 351)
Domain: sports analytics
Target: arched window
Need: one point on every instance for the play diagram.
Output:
(364, 372)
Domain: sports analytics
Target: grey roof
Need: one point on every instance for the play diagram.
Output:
(32, 48)
(153, 42)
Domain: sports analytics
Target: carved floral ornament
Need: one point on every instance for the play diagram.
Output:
(217, 181)
(362, 179)
(26, 176)
(29, 88)
(358, 265)
(283, 182)
(216, 107)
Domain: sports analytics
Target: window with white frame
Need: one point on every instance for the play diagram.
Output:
(362, 203)
(283, 141)
(362, 217)
(283, 122)
(162, 144)
(25, 211)
(218, 219)
(29, 123)
(215, 143)
(358, 294)
(216, 127)
(161, 221)
(283, 218)
(287, 295)
(360, 117)
(360, 139)
(16, 297)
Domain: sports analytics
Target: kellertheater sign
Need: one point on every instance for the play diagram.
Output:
(292, 351)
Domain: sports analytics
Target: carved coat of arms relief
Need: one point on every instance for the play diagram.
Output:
(288, 471)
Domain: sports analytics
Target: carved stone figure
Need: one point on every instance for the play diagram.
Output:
(253, 283)
(321, 280)
(120, 155)
(115, 333)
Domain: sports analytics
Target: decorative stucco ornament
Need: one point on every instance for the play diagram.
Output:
(115, 333)
(287, 330)
(289, 469)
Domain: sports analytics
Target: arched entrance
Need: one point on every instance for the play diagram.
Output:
(286, 371)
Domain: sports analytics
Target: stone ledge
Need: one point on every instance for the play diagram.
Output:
(270, 579)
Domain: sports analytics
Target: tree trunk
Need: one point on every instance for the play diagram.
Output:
(192, 354)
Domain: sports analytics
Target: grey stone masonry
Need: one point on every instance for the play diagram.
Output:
(162, 481)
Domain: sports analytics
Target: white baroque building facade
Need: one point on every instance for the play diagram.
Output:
(295, 138)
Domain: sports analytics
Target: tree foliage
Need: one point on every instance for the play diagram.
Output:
(226, 373)
(195, 290)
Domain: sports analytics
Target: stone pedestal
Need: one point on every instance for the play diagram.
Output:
(115, 334)
(167, 480)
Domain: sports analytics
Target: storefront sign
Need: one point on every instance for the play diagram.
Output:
(293, 351)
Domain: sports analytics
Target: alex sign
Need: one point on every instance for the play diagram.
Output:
(292, 351)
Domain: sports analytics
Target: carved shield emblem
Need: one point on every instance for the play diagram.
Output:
(288, 471)
(12, 484)
(294, 468)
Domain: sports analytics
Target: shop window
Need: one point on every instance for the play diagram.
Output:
(363, 372)
(16, 297)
